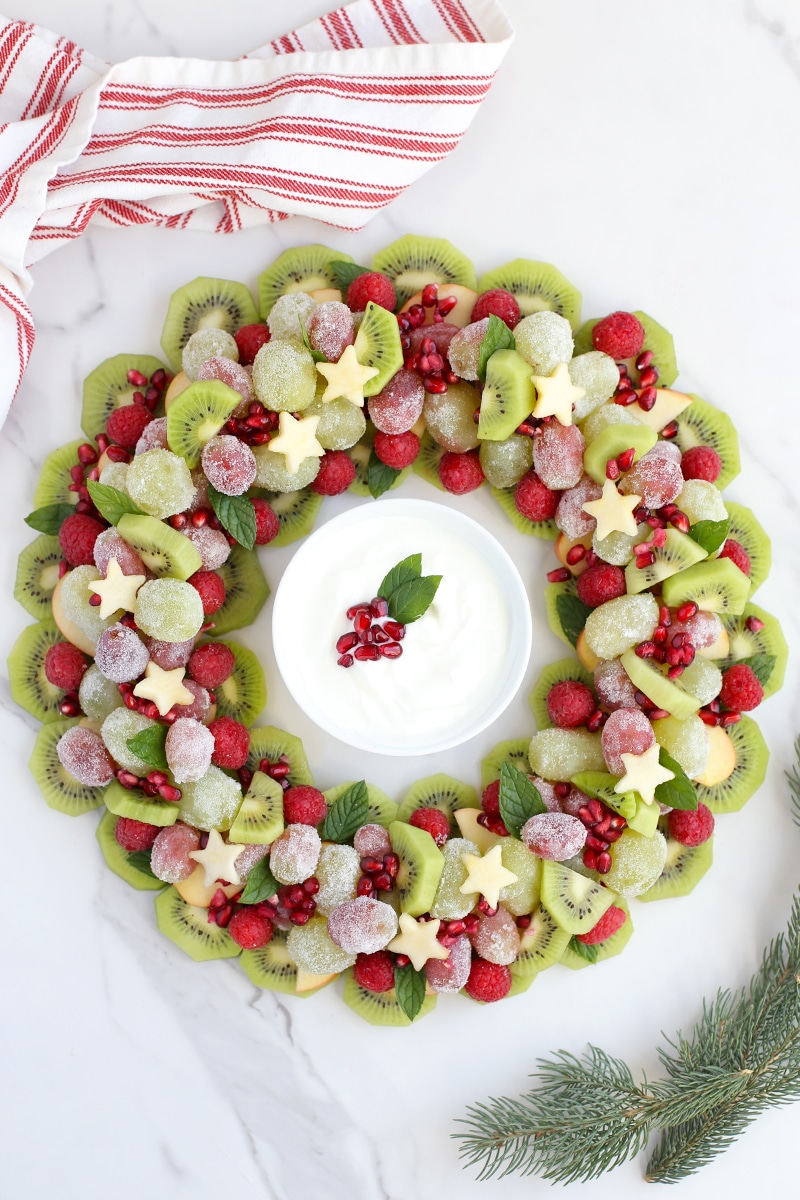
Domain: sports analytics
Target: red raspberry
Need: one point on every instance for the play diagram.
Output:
(375, 972)
(231, 743)
(211, 664)
(488, 981)
(304, 805)
(397, 450)
(126, 424)
(250, 928)
(433, 821)
(460, 473)
(64, 666)
(600, 583)
(534, 500)
(135, 835)
(336, 472)
(250, 339)
(740, 691)
(570, 703)
(612, 920)
(371, 286)
(491, 799)
(701, 462)
(736, 552)
(691, 828)
(268, 525)
(211, 590)
(620, 335)
(77, 537)
(499, 303)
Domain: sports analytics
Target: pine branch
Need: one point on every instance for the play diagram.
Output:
(794, 784)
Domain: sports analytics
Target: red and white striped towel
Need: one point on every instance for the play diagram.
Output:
(332, 122)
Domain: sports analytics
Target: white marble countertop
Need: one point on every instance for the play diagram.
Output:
(650, 152)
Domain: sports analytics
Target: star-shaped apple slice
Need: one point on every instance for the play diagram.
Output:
(296, 440)
(613, 511)
(346, 378)
(556, 395)
(487, 875)
(418, 941)
(218, 860)
(643, 774)
(117, 591)
(164, 688)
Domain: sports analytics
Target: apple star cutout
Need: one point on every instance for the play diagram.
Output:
(164, 688)
(487, 875)
(346, 378)
(117, 591)
(556, 394)
(613, 511)
(297, 440)
(218, 860)
(418, 941)
(643, 774)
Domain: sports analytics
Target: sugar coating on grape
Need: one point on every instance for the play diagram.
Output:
(121, 654)
(338, 872)
(547, 791)
(570, 517)
(233, 375)
(169, 655)
(504, 463)
(449, 975)
(704, 628)
(286, 314)
(544, 340)
(169, 609)
(465, 349)
(616, 548)
(284, 377)
(398, 407)
(160, 483)
(331, 329)
(200, 707)
(627, 731)
(372, 841)
(449, 418)
(295, 854)
(685, 741)
(311, 948)
(341, 424)
(188, 747)
(169, 857)
(97, 695)
(247, 859)
(558, 754)
(200, 498)
(701, 501)
(363, 925)
(441, 334)
(598, 376)
(271, 471)
(619, 624)
(115, 475)
(110, 545)
(656, 478)
(83, 753)
(574, 801)
(664, 449)
(229, 464)
(76, 588)
(205, 344)
(154, 436)
(497, 937)
(558, 455)
(450, 903)
(613, 686)
(605, 415)
(703, 680)
(212, 802)
(554, 835)
(636, 862)
(117, 729)
(211, 544)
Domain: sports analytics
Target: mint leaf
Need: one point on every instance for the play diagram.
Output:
(497, 337)
(140, 861)
(346, 815)
(709, 534)
(317, 355)
(110, 502)
(600, 786)
(236, 515)
(379, 477)
(261, 883)
(519, 798)
(572, 613)
(762, 666)
(589, 953)
(50, 518)
(409, 986)
(678, 792)
(345, 273)
(148, 745)
(412, 599)
(410, 568)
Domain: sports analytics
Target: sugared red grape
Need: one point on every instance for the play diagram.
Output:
(465, 349)
(656, 478)
(121, 655)
(247, 859)
(295, 854)
(554, 835)
(211, 544)
(398, 407)
(614, 688)
(627, 731)
(232, 375)
(372, 841)
(83, 753)
(154, 436)
(169, 857)
(188, 747)
(450, 974)
(229, 464)
(331, 329)
(205, 344)
(558, 455)
(169, 655)
(363, 925)
(570, 517)
(497, 938)
(110, 545)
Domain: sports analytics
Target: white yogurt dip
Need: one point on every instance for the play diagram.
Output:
(462, 662)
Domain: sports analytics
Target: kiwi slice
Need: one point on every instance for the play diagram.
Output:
(377, 345)
(746, 643)
(380, 1008)
(204, 304)
(246, 590)
(665, 694)
(703, 425)
(260, 816)
(421, 865)
(684, 868)
(438, 791)
(752, 757)
(538, 287)
(613, 441)
(557, 672)
(301, 269)
(678, 552)
(197, 415)
(657, 340)
(139, 807)
(58, 787)
(541, 529)
(611, 947)
(270, 743)
(381, 808)
(360, 454)
(133, 868)
(30, 686)
(162, 549)
(600, 785)
(750, 534)
(244, 693)
(272, 968)
(508, 396)
(426, 464)
(542, 944)
(189, 928)
(514, 752)
(716, 586)
(559, 600)
(413, 261)
(575, 902)
(296, 511)
(37, 576)
(53, 484)
(108, 387)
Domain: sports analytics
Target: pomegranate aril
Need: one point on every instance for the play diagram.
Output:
(612, 469)
(730, 718)
(596, 843)
(365, 886)
(648, 377)
(391, 863)
(368, 653)
(346, 660)
(353, 612)
(383, 881)
(644, 360)
(604, 863)
(87, 455)
(754, 624)
(575, 554)
(670, 430)
(687, 611)
(559, 575)
(625, 460)
(590, 860)
(388, 650)
(647, 399)
(362, 621)
(395, 630)
(379, 636)
(366, 637)
(346, 642)
(379, 607)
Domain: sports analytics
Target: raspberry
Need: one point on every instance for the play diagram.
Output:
(460, 473)
(620, 335)
(397, 450)
(433, 821)
(534, 500)
(740, 691)
(374, 286)
(570, 703)
(64, 666)
(488, 981)
(499, 303)
(736, 552)
(336, 472)
(211, 664)
(491, 799)
(701, 462)
(250, 928)
(612, 920)
(375, 972)
(77, 537)
(304, 806)
(231, 743)
(125, 425)
(268, 525)
(600, 583)
(135, 835)
(250, 339)
(211, 590)
(691, 828)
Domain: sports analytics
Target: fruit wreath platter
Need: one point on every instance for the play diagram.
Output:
(340, 377)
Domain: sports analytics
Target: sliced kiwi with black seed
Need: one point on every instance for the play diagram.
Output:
(426, 464)
(162, 549)
(678, 552)
(59, 789)
(135, 805)
(438, 791)
(538, 287)
(107, 387)
(301, 269)
(197, 415)
(514, 751)
(380, 1008)
(37, 575)
(361, 453)
(189, 928)
(700, 424)
(752, 757)
(762, 644)
(134, 867)
(553, 673)
(52, 486)
(246, 590)
(204, 304)
(555, 607)
(413, 261)
(657, 340)
(30, 686)
(751, 535)
(421, 866)
(684, 868)
(267, 742)
(296, 511)
(610, 948)
(575, 902)
(613, 441)
(508, 396)
(271, 967)
(381, 808)
(244, 693)
(716, 585)
(541, 945)
(259, 820)
(541, 529)
(377, 345)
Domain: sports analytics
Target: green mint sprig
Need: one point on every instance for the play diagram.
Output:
(407, 591)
